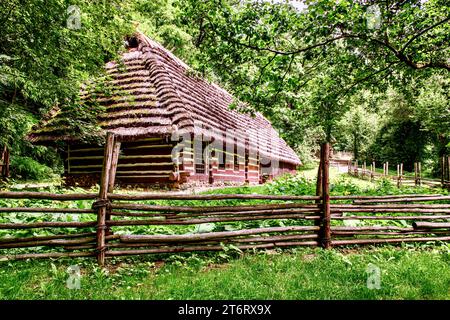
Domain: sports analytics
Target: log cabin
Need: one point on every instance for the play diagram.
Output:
(174, 128)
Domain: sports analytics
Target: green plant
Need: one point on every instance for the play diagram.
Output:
(28, 169)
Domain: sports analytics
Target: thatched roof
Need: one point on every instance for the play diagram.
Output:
(154, 93)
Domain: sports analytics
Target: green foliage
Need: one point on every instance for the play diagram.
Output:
(43, 62)
(28, 169)
(358, 127)
(292, 185)
(300, 67)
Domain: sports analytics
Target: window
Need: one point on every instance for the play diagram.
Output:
(200, 168)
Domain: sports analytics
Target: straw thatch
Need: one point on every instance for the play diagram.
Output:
(151, 93)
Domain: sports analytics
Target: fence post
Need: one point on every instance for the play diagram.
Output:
(102, 202)
(448, 171)
(398, 176)
(319, 189)
(113, 169)
(325, 230)
(401, 174)
(415, 174)
(372, 175)
(419, 173)
(364, 169)
(112, 177)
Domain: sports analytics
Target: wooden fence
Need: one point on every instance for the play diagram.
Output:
(369, 172)
(318, 220)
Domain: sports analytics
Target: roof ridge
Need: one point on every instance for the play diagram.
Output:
(145, 41)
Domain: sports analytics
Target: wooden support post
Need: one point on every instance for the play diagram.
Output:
(374, 169)
(319, 188)
(387, 168)
(444, 177)
(419, 169)
(112, 178)
(325, 232)
(448, 169)
(2, 162)
(442, 171)
(398, 176)
(415, 174)
(114, 163)
(401, 175)
(102, 203)
(364, 169)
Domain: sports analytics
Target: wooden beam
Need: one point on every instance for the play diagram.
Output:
(103, 196)
(114, 163)
(326, 214)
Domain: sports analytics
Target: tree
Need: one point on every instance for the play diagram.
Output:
(433, 109)
(46, 52)
(360, 124)
(272, 54)
(399, 138)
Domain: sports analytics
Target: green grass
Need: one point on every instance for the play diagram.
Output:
(300, 274)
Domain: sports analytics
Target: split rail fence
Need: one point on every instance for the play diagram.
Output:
(369, 172)
(317, 220)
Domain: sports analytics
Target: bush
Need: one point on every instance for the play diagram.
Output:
(292, 185)
(28, 169)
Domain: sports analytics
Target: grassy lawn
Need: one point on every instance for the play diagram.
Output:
(299, 274)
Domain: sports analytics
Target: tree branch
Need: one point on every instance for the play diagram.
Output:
(344, 92)
(422, 32)
(399, 54)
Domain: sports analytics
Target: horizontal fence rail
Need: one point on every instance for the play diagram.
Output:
(69, 236)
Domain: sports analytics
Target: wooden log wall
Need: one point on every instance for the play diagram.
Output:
(144, 162)
(223, 163)
(159, 161)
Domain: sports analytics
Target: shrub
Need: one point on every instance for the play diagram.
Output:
(28, 169)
